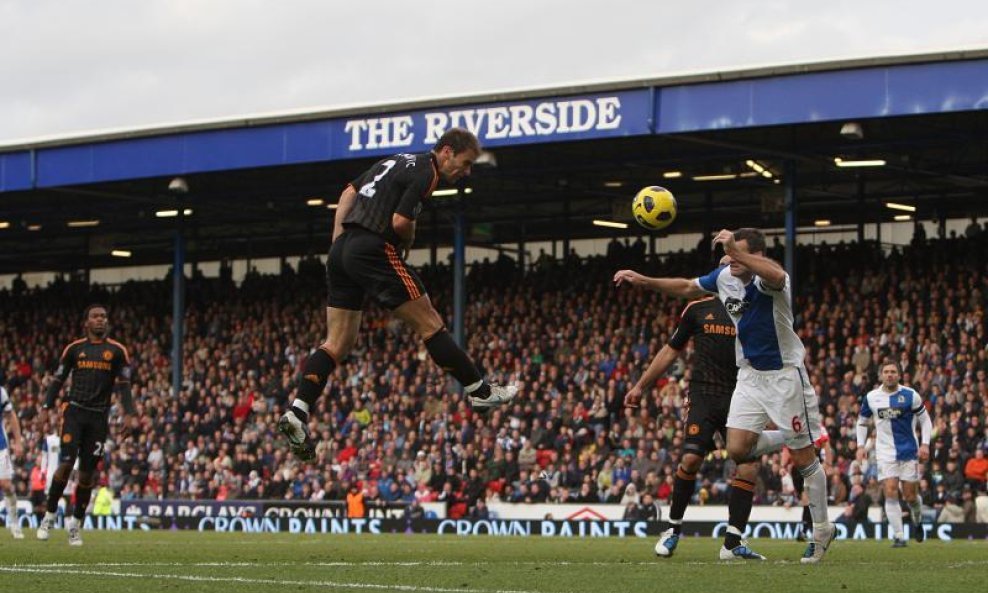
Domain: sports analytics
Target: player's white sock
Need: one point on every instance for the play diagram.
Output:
(11, 501)
(769, 441)
(894, 512)
(815, 484)
(916, 511)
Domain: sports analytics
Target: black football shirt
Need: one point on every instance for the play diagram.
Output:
(714, 362)
(397, 184)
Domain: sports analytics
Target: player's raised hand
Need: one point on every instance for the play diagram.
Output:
(726, 238)
(633, 398)
(629, 276)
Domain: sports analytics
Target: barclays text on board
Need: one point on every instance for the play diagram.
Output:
(550, 119)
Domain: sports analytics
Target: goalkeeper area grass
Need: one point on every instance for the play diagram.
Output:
(112, 562)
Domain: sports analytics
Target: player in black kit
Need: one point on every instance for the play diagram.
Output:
(714, 374)
(372, 233)
(98, 366)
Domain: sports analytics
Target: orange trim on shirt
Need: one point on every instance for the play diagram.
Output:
(71, 344)
(435, 178)
(691, 303)
(122, 347)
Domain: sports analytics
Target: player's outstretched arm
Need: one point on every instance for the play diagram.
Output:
(659, 365)
(677, 287)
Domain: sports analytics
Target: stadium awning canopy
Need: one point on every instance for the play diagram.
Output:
(724, 143)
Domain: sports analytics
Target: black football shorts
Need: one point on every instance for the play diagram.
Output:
(706, 415)
(361, 264)
(83, 435)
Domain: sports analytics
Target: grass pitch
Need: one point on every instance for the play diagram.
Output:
(246, 563)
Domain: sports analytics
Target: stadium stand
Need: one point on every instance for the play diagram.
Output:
(396, 427)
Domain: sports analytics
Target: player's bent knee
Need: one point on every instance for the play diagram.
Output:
(804, 457)
(338, 348)
(739, 452)
(748, 471)
(63, 471)
(691, 462)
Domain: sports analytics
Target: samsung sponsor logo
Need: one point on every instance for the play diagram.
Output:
(99, 365)
(546, 118)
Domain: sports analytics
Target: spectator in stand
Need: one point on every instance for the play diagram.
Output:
(976, 470)
(952, 512)
(355, 503)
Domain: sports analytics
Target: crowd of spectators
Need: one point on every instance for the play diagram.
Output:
(393, 428)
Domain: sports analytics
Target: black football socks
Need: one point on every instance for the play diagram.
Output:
(738, 511)
(54, 494)
(682, 491)
(455, 361)
(318, 367)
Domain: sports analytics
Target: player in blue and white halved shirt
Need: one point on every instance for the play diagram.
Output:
(896, 410)
(8, 419)
(772, 384)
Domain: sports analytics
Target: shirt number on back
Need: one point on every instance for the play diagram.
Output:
(368, 189)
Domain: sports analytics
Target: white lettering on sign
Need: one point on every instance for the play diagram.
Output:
(380, 132)
(488, 123)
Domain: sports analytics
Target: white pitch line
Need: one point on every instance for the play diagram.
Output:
(427, 564)
(327, 564)
(194, 578)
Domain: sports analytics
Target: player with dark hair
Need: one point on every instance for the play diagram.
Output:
(98, 366)
(714, 375)
(772, 382)
(372, 233)
(896, 410)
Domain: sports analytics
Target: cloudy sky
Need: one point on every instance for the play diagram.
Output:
(73, 66)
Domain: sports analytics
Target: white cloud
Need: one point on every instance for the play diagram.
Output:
(72, 66)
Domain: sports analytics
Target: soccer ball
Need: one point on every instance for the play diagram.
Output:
(654, 207)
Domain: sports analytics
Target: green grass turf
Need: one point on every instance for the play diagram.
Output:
(246, 563)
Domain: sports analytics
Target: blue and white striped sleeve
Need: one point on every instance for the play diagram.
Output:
(865, 408)
(766, 289)
(709, 282)
(917, 405)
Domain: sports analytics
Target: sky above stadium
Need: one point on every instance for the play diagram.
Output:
(72, 67)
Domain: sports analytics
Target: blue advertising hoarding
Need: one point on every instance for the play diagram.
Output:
(832, 95)
(623, 113)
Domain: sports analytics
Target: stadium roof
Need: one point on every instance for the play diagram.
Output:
(564, 156)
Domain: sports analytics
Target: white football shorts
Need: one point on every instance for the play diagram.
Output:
(906, 471)
(783, 397)
(6, 467)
